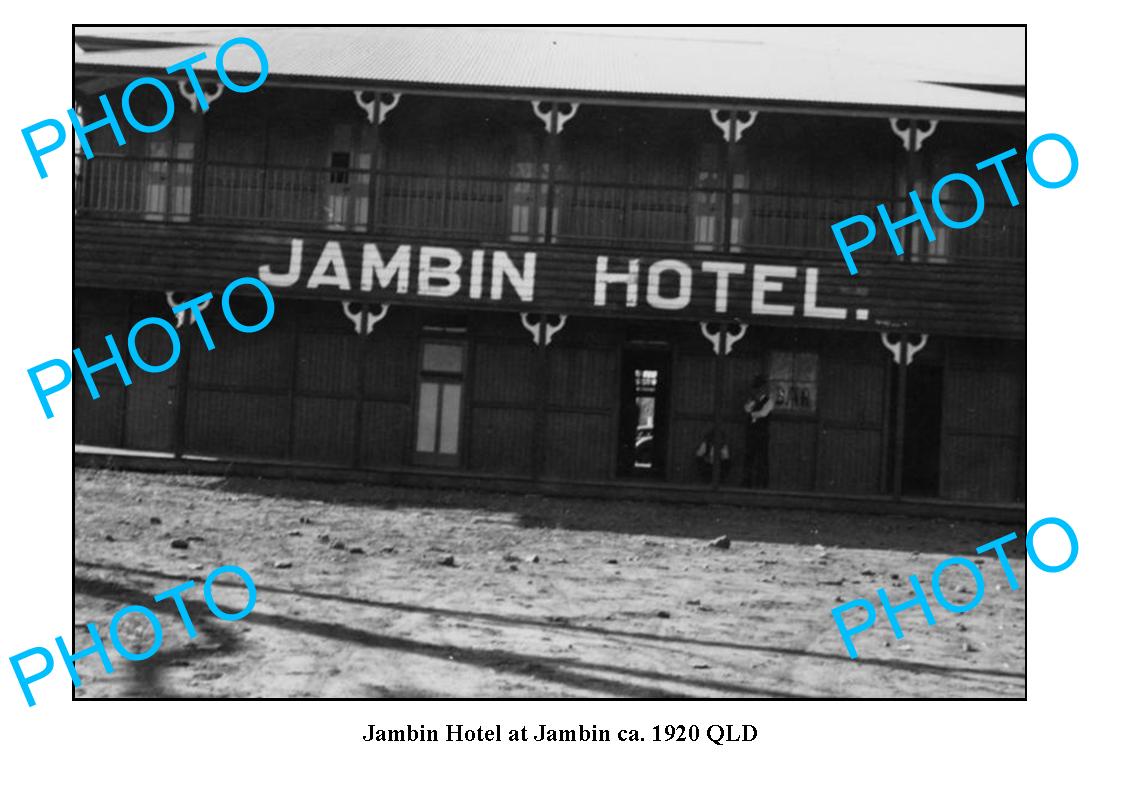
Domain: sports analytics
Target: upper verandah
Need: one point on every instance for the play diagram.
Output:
(474, 166)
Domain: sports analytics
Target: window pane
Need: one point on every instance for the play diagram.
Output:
(440, 358)
(794, 378)
(450, 418)
(427, 417)
(340, 163)
(803, 396)
(781, 366)
(806, 366)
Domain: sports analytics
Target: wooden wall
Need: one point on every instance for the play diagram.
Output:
(504, 395)
(308, 389)
(139, 417)
(853, 406)
(984, 424)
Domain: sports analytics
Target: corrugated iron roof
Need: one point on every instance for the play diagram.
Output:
(528, 60)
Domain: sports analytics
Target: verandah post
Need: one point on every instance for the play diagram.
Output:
(372, 179)
(360, 387)
(123, 437)
(543, 378)
(294, 353)
(199, 172)
(728, 160)
(719, 389)
(911, 173)
(538, 451)
(899, 440)
(552, 156)
(182, 387)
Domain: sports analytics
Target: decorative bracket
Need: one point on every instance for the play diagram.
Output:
(378, 107)
(742, 121)
(731, 336)
(542, 331)
(356, 316)
(910, 349)
(169, 296)
(545, 112)
(903, 132)
(194, 100)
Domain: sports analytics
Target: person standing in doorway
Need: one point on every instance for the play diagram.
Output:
(759, 408)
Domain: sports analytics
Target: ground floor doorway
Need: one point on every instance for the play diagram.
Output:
(920, 459)
(645, 379)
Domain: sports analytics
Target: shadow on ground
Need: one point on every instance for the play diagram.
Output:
(568, 671)
(146, 678)
(687, 520)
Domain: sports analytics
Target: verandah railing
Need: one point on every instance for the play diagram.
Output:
(526, 209)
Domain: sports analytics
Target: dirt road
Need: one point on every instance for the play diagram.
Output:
(542, 597)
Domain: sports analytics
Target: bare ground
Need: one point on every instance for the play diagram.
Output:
(547, 597)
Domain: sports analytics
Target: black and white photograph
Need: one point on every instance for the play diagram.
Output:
(549, 363)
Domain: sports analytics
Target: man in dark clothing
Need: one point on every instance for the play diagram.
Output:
(758, 408)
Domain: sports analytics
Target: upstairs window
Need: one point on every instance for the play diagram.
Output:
(936, 250)
(345, 194)
(528, 192)
(708, 200)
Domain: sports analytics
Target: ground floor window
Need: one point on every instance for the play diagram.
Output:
(794, 376)
(439, 403)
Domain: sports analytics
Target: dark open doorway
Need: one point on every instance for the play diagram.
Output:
(645, 380)
(924, 390)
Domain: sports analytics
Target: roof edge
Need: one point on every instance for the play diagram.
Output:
(636, 99)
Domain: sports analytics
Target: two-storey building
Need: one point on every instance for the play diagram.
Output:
(555, 261)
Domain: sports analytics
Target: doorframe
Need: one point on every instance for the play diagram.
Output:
(436, 458)
(667, 349)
